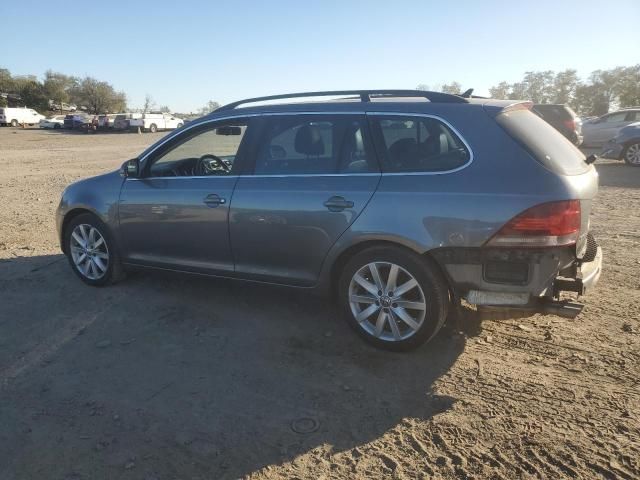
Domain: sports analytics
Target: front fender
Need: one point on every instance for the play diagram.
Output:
(98, 195)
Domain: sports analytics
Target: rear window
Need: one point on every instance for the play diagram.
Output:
(543, 142)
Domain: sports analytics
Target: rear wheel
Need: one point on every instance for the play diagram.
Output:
(631, 154)
(395, 299)
(153, 128)
(91, 251)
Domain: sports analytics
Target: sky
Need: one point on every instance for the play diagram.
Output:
(185, 53)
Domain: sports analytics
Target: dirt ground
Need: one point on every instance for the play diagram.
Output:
(174, 377)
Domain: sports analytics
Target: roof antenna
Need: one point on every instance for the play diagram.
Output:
(467, 93)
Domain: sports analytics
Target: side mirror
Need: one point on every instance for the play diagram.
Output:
(130, 168)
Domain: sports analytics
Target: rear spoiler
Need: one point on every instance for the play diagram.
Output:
(496, 107)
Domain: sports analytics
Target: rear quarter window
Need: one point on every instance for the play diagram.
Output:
(543, 142)
(418, 144)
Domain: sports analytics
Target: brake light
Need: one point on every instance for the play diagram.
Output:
(548, 225)
(570, 124)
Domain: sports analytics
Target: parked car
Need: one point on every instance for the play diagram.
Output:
(16, 116)
(106, 122)
(121, 121)
(472, 198)
(152, 122)
(563, 119)
(89, 125)
(598, 132)
(75, 120)
(63, 107)
(57, 121)
(625, 146)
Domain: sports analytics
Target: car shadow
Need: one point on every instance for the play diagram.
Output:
(174, 376)
(618, 174)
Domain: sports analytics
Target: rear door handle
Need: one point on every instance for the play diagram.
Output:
(337, 204)
(213, 200)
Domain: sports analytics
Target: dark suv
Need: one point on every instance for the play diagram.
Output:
(401, 203)
(563, 119)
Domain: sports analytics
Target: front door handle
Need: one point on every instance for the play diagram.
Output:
(337, 204)
(213, 200)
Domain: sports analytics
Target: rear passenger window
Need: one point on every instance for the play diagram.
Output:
(418, 144)
(295, 145)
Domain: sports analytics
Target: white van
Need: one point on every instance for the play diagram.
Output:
(153, 122)
(16, 116)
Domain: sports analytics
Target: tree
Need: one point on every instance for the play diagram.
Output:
(423, 86)
(629, 86)
(31, 92)
(453, 87)
(589, 100)
(165, 109)
(564, 87)
(518, 91)
(501, 91)
(6, 81)
(209, 107)
(538, 86)
(100, 97)
(57, 86)
(148, 103)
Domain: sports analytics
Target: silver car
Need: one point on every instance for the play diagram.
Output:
(597, 132)
(399, 203)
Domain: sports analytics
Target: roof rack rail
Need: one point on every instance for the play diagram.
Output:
(365, 96)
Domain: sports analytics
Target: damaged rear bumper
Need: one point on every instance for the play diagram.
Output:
(523, 279)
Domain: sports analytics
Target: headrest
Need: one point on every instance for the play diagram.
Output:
(309, 140)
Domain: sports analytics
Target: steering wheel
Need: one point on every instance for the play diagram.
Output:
(210, 164)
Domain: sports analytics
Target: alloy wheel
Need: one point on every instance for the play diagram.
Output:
(89, 251)
(632, 155)
(387, 301)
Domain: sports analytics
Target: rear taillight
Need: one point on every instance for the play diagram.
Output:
(548, 225)
(569, 124)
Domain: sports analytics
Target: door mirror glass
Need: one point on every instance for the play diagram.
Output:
(130, 168)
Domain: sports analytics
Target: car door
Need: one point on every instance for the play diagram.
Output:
(175, 215)
(311, 176)
(606, 128)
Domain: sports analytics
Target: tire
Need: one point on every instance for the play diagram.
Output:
(388, 325)
(106, 267)
(14, 123)
(153, 128)
(180, 125)
(631, 154)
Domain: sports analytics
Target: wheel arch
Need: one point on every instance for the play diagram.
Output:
(348, 253)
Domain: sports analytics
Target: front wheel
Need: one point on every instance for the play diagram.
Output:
(393, 298)
(14, 123)
(631, 154)
(91, 251)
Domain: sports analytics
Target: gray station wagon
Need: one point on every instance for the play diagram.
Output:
(400, 203)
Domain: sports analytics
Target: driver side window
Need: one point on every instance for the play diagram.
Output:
(206, 152)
